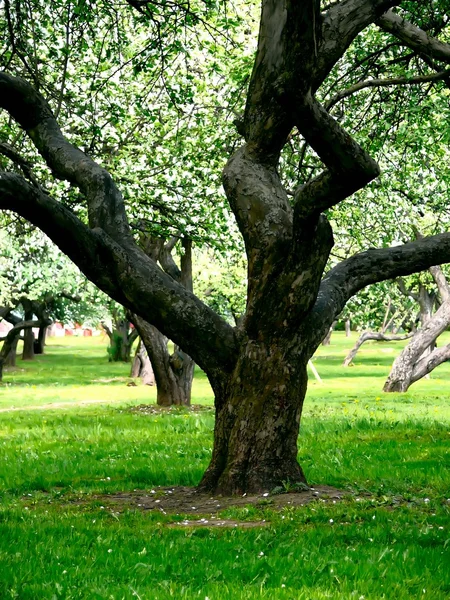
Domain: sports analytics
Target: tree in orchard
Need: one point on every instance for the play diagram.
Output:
(41, 286)
(421, 356)
(257, 369)
(38, 277)
(11, 338)
(173, 372)
(120, 332)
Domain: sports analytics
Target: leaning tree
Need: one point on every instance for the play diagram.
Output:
(258, 368)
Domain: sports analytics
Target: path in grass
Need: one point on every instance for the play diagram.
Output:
(52, 405)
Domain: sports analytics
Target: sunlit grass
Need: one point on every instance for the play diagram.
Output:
(77, 369)
(389, 539)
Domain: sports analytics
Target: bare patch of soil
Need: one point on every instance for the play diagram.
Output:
(154, 409)
(188, 501)
(216, 522)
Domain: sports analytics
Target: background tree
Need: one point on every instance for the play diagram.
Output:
(141, 366)
(421, 356)
(173, 372)
(42, 285)
(121, 333)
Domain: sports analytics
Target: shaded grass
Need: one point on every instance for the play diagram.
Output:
(390, 539)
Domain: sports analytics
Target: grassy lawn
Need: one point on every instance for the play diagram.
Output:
(389, 539)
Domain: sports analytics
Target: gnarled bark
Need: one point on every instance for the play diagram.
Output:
(257, 419)
(421, 356)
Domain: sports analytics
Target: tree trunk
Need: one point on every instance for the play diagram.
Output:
(28, 334)
(28, 344)
(39, 344)
(11, 339)
(257, 423)
(121, 341)
(141, 366)
(173, 373)
(348, 329)
(327, 339)
(426, 303)
(10, 359)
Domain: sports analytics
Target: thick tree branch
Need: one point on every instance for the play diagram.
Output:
(16, 329)
(376, 336)
(4, 311)
(10, 340)
(365, 268)
(167, 262)
(287, 49)
(107, 330)
(414, 37)
(340, 25)
(297, 48)
(130, 277)
(413, 355)
(263, 214)
(18, 160)
(441, 282)
(405, 291)
(66, 295)
(349, 166)
(105, 203)
(430, 362)
(133, 336)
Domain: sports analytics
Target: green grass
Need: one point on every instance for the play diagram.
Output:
(389, 539)
(77, 369)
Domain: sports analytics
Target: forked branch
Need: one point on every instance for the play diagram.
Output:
(350, 167)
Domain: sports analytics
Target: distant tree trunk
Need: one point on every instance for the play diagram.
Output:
(348, 328)
(141, 366)
(11, 339)
(327, 339)
(173, 373)
(121, 340)
(10, 360)
(39, 344)
(379, 336)
(416, 360)
(28, 336)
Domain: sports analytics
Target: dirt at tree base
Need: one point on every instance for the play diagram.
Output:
(188, 501)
